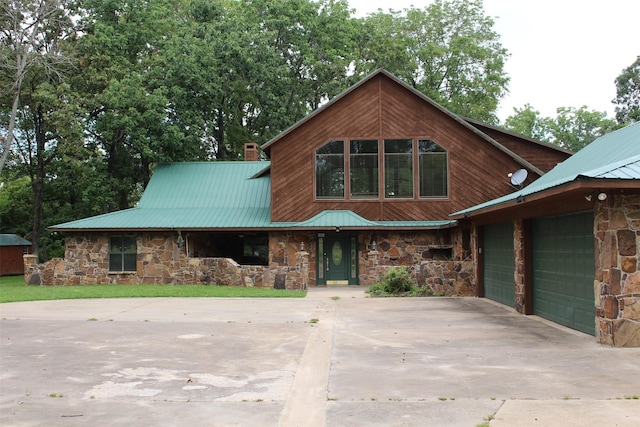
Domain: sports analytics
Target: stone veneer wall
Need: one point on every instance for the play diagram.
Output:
(160, 260)
(434, 258)
(291, 266)
(617, 280)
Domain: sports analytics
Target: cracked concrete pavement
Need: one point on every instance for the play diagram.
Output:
(334, 358)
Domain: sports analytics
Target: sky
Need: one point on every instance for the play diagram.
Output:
(563, 53)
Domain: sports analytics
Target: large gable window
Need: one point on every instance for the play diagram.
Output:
(330, 170)
(122, 253)
(433, 169)
(363, 163)
(398, 168)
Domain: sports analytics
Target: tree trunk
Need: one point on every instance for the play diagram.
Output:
(8, 140)
(38, 185)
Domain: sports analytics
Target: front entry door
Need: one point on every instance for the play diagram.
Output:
(337, 259)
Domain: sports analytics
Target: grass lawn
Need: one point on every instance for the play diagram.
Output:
(13, 289)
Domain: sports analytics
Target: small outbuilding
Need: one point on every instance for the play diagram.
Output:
(12, 248)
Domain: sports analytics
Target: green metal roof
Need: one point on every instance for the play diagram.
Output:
(13, 240)
(219, 195)
(330, 219)
(194, 195)
(614, 156)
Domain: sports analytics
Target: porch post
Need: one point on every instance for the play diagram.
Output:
(372, 275)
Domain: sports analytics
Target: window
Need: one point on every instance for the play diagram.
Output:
(330, 170)
(398, 168)
(122, 253)
(364, 169)
(433, 169)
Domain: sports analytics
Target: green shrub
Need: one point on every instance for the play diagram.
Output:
(397, 281)
(394, 282)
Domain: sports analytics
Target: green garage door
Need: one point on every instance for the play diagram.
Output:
(564, 269)
(499, 284)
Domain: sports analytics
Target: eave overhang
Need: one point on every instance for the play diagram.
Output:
(576, 195)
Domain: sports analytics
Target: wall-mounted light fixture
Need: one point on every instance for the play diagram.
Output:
(601, 196)
(302, 247)
(374, 246)
(180, 240)
(337, 228)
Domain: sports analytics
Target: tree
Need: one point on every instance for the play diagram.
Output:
(126, 108)
(245, 71)
(33, 42)
(574, 128)
(448, 50)
(628, 94)
(528, 121)
(30, 36)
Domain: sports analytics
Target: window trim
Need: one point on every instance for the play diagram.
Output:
(384, 169)
(122, 253)
(419, 174)
(350, 169)
(345, 171)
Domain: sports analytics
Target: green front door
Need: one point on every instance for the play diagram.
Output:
(564, 270)
(337, 261)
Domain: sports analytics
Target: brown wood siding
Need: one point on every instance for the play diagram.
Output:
(540, 155)
(378, 109)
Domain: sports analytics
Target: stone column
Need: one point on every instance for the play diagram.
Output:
(30, 263)
(372, 273)
(518, 274)
(617, 279)
(303, 269)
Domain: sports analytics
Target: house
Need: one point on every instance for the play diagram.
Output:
(566, 246)
(365, 183)
(12, 248)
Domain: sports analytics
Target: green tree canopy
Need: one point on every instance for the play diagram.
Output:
(572, 128)
(529, 122)
(627, 98)
(448, 50)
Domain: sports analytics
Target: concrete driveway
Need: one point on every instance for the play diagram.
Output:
(334, 358)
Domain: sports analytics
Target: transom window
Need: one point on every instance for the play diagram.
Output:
(432, 161)
(364, 169)
(122, 253)
(330, 170)
(398, 168)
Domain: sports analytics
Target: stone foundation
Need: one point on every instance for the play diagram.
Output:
(160, 260)
(439, 259)
(617, 279)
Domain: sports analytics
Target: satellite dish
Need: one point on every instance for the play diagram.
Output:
(518, 177)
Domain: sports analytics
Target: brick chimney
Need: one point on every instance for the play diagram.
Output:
(251, 152)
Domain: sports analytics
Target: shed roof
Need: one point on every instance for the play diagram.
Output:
(13, 240)
(614, 156)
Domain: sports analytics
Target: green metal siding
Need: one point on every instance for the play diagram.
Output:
(564, 269)
(499, 264)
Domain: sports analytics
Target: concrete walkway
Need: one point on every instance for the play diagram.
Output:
(334, 358)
